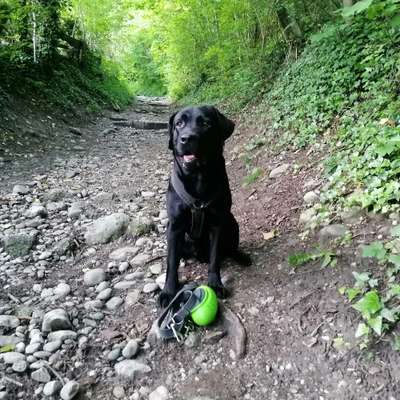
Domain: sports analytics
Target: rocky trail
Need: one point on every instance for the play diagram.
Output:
(82, 259)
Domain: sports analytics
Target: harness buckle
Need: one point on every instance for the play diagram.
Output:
(178, 336)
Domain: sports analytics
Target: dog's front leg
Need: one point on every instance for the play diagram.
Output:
(176, 238)
(214, 274)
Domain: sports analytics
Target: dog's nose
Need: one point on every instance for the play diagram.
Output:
(185, 138)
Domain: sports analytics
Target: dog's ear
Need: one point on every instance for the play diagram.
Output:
(225, 125)
(171, 131)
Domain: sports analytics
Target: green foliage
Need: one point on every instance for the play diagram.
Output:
(375, 296)
(345, 87)
(253, 176)
(327, 258)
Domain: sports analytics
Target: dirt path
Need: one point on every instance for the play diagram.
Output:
(292, 318)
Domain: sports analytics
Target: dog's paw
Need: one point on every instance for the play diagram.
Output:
(165, 298)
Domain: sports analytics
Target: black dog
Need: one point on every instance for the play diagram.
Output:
(199, 198)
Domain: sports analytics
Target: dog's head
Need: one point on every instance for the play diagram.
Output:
(197, 135)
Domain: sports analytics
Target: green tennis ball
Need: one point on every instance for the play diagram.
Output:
(205, 312)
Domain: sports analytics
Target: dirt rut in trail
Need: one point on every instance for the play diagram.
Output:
(291, 318)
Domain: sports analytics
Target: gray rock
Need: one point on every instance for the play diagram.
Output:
(4, 395)
(19, 245)
(76, 209)
(56, 320)
(102, 285)
(8, 321)
(69, 390)
(351, 215)
(311, 198)
(156, 269)
(36, 210)
(107, 228)
(12, 357)
(33, 347)
(161, 393)
(52, 388)
(128, 369)
(124, 285)
(192, 340)
(140, 260)
(150, 287)
(307, 216)
(51, 347)
(41, 375)
(332, 232)
(278, 171)
(114, 354)
(61, 336)
(45, 255)
(21, 189)
(161, 281)
(62, 290)
(131, 349)
(56, 206)
(123, 253)
(105, 294)
(114, 303)
(54, 195)
(94, 276)
(132, 297)
(20, 366)
(140, 226)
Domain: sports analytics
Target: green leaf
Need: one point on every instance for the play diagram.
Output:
(357, 8)
(375, 250)
(395, 22)
(352, 293)
(369, 304)
(362, 330)
(297, 259)
(361, 277)
(394, 291)
(388, 314)
(395, 231)
(376, 324)
(7, 348)
(395, 259)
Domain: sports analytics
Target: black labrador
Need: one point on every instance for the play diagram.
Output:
(199, 200)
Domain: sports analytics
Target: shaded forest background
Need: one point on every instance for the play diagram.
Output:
(72, 50)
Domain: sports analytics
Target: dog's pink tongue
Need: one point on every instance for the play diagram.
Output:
(189, 157)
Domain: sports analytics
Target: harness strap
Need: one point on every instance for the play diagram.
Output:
(173, 318)
(197, 206)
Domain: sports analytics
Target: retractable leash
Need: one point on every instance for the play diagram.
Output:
(198, 304)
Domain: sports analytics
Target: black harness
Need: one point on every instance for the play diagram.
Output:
(197, 206)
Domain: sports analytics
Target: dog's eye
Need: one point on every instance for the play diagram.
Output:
(180, 123)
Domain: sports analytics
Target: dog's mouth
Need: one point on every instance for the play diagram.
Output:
(189, 158)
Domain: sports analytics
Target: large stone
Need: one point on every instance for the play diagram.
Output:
(55, 195)
(114, 303)
(8, 321)
(278, 171)
(52, 388)
(56, 320)
(311, 198)
(140, 260)
(132, 297)
(61, 335)
(128, 369)
(94, 277)
(161, 393)
(108, 228)
(123, 253)
(75, 210)
(8, 340)
(36, 210)
(41, 375)
(21, 189)
(307, 216)
(19, 245)
(332, 232)
(12, 357)
(140, 226)
(62, 290)
(131, 349)
(69, 390)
